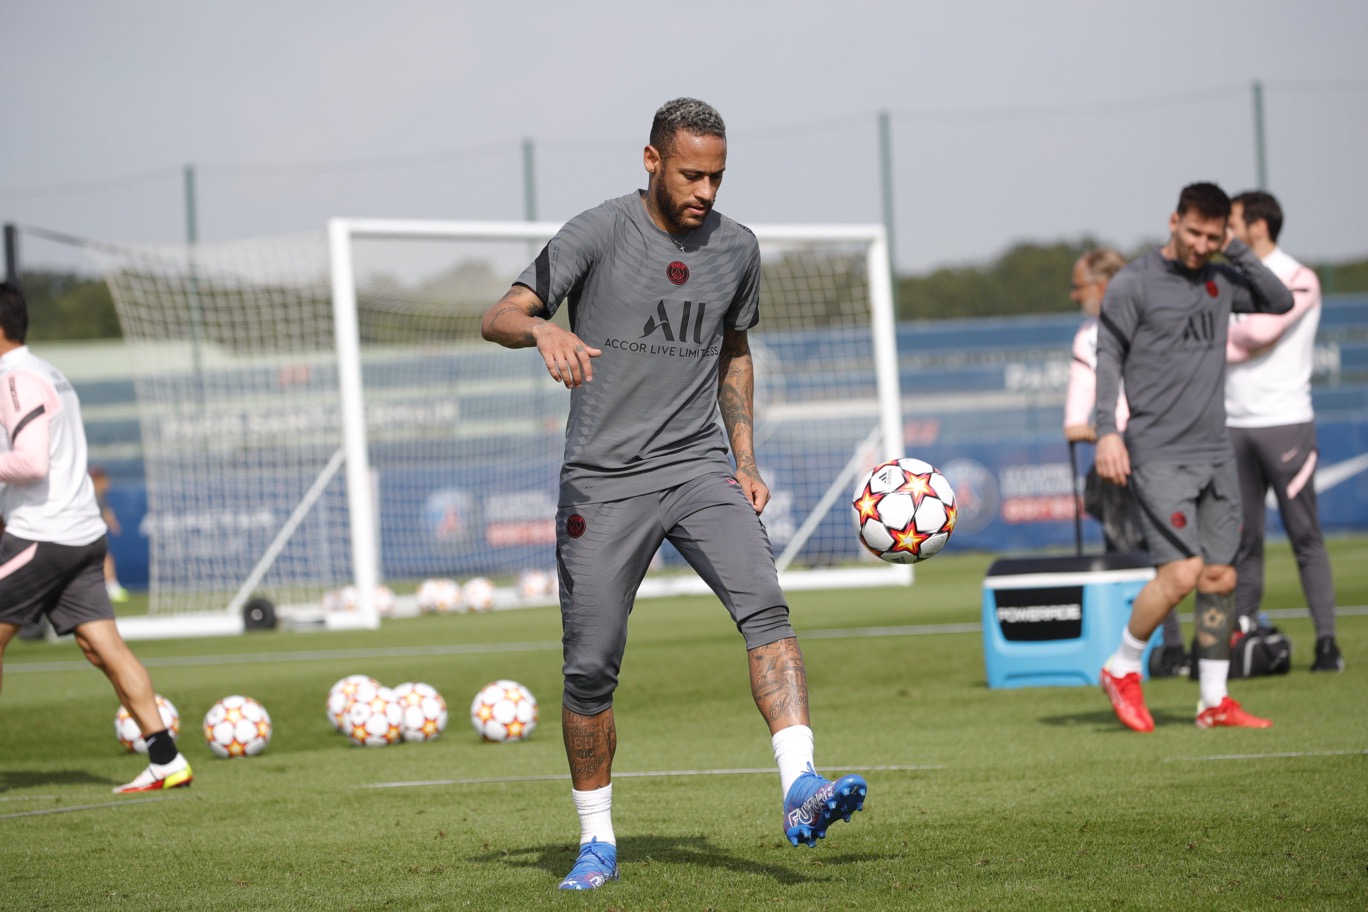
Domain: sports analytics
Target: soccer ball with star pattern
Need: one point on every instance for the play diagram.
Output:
(904, 510)
(425, 712)
(237, 726)
(375, 718)
(130, 735)
(504, 711)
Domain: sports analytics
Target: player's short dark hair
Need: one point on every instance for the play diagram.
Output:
(13, 312)
(1262, 207)
(688, 114)
(1207, 199)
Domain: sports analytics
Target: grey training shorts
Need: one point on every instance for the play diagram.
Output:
(1189, 510)
(604, 549)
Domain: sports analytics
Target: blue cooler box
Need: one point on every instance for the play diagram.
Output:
(1052, 621)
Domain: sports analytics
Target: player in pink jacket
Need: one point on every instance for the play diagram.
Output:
(1272, 425)
(53, 547)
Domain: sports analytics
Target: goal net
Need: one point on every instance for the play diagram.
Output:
(319, 411)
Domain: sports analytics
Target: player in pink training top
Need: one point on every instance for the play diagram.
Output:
(1272, 425)
(52, 551)
(1109, 503)
(1091, 274)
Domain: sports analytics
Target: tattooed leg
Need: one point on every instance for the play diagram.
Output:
(779, 683)
(590, 743)
(1215, 618)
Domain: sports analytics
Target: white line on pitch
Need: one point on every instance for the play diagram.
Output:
(87, 807)
(975, 627)
(1274, 756)
(28, 797)
(918, 630)
(311, 656)
(639, 775)
(322, 655)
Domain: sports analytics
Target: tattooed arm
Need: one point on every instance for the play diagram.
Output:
(518, 320)
(736, 399)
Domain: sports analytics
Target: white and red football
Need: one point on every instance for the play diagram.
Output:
(904, 510)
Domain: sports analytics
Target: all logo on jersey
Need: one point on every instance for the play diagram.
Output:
(1201, 327)
(1212, 289)
(677, 272)
(677, 332)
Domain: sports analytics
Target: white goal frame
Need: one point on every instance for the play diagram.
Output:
(363, 515)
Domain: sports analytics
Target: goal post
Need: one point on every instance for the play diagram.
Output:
(821, 285)
(319, 411)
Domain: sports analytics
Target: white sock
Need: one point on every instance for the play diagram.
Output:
(793, 753)
(1126, 659)
(595, 809)
(1211, 679)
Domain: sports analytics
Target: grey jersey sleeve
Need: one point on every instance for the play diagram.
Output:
(1116, 328)
(1257, 289)
(567, 259)
(745, 307)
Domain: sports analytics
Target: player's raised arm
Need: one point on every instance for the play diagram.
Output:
(518, 320)
(1258, 290)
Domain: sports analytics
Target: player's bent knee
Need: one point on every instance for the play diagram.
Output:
(1217, 578)
(1180, 577)
(589, 693)
(768, 625)
(586, 704)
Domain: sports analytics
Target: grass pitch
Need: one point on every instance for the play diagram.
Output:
(979, 799)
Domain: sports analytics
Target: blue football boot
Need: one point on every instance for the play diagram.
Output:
(814, 803)
(596, 865)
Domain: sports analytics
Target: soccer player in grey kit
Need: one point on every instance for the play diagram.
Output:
(661, 290)
(1163, 330)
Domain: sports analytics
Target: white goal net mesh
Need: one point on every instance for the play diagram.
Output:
(244, 426)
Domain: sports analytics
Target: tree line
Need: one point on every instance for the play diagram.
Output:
(1029, 278)
(1034, 278)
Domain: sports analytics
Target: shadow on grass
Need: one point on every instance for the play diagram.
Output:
(644, 851)
(1106, 719)
(15, 779)
(1102, 717)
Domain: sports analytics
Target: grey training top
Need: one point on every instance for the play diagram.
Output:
(1163, 330)
(649, 419)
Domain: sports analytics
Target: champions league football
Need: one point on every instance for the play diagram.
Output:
(904, 511)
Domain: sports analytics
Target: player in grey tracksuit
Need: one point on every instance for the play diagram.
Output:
(1163, 332)
(661, 290)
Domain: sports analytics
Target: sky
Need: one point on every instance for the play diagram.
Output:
(1009, 122)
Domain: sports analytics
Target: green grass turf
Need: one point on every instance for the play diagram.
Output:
(1020, 799)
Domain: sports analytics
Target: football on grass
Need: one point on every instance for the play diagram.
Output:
(340, 697)
(237, 726)
(439, 595)
(374, 718)
(478, 594)
(424, 711)
(504, 711)
(130, 736)
(904, 510)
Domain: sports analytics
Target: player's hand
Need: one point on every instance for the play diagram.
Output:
(754, 487)
(568, 359)
(1113, 459)
(1080, 433)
